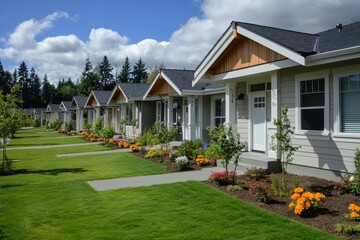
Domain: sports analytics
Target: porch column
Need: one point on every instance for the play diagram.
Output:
(191, 115)
(170, 113)
(106, 117)
(80, 117)
(275, 103)
(97, 113)
(230, 102)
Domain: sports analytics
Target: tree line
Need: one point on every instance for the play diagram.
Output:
(36, 93)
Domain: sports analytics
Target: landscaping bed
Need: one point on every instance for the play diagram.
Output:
(332, 212)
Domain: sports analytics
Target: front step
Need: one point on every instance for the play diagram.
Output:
(252, 159)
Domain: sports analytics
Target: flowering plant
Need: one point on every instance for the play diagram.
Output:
(200, 160)
(306, 203)
(255, 173)
(354, 212)
(222, 178)
(173, 154)
(261, 189)
(134, 148)
(181, 163)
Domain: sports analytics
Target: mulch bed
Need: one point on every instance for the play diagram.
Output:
(332, 212)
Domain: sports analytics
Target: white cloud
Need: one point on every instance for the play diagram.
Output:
(64, 56)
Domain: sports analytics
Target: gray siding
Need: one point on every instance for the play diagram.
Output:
(242, 107)
(148, 114)
(206, 117)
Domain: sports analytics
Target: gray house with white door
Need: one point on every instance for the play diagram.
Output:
(316, 75)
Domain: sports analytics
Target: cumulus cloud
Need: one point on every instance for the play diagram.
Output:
(64, 56)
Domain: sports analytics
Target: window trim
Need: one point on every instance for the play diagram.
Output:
(337, 73)
(314, 134)
(213, 99)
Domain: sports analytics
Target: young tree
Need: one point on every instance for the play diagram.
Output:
(230, 146)
(139, 72)
(10, 121)
(125, 72)
(106, 76)
(162, 134)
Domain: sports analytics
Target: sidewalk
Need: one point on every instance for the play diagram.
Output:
(142, 181)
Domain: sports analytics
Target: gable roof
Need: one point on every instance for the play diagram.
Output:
(129, 91)
(181, 81)
(298, 47)
(51, 107)
(101, 97)
(65, 106)
(79, 101)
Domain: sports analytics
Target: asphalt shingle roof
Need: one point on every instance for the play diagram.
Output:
(102, 96)
(134, 90)
(80, 100)
(54, 107)
(183, 80)
(67, 104)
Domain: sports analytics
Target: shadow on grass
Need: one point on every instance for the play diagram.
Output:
(10, 186)
(51, 172)
(2, 235)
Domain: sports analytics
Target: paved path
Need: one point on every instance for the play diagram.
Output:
(141, 181)
(94, 153)
(54, 146)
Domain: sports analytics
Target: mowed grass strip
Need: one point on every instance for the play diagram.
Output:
(50, 199)
(39, 137)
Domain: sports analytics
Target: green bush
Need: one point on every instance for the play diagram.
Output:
(146, 138)
(212, 151)
(98, 125)
(255, 173)
(155, 152)
(56, 124)
(189, 148)
(87, 125)
(108, 132)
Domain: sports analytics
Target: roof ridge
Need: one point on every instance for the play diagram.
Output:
(176, 69)
(277, 28)
(332, 29)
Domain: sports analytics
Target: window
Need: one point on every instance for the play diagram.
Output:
(349, 98)
(258, 87)
(312, 104)
(219, 117)
(129, 111)
(159, 111)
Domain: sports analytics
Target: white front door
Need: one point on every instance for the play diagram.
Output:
(258, 122)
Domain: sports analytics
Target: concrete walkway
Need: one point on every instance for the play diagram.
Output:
(93, 153)
(142, 181)
(54, 146)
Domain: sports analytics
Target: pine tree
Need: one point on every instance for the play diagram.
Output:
(139, 72)
(125, 72)
(106, 76)
(34, 81)
(4, 84)
(47, 92)
(24, 81)
(89, 80)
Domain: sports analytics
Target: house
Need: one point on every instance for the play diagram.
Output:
(130, 114)
(316, 75)
(96, 106)
(52, 112)
(78, 103)
(192, 108)
(39, 114)
(67, 112)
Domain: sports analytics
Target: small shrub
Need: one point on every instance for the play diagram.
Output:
(87, 125)
(255, 173)
(108, 132)
(98, 125)
(212, 151)
(123, 144)
(155, 152)
(173, 154)
(261, 189)
(233, 188)
(306, 203)
(354, 212)
(187, 148)
(347, 228)
(280, 187)
(146, 138)
(134, 148)
(222, 178)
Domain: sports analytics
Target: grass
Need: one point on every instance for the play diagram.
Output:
(51, 200)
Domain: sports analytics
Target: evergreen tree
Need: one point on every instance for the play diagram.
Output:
(34, 81)
(47, 92)
(89, 79)
(125, 72)
(14, 78)
(106, 76)
(9, 80)
(4, 82)
(24, 81)
(139, 72)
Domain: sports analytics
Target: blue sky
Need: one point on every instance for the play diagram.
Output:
(55, 36)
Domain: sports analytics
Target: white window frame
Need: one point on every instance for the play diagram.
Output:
(312, 134)
(128, 106)
(337, 73)
(213, 99)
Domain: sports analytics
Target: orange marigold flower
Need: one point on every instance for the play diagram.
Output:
(295, 196)
(298, 209)
(299, 190)
(352, 207)
(354, 215)
(291, 205)
(307, 205)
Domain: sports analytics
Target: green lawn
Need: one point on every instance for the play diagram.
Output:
(38, 136)
(51, 200)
